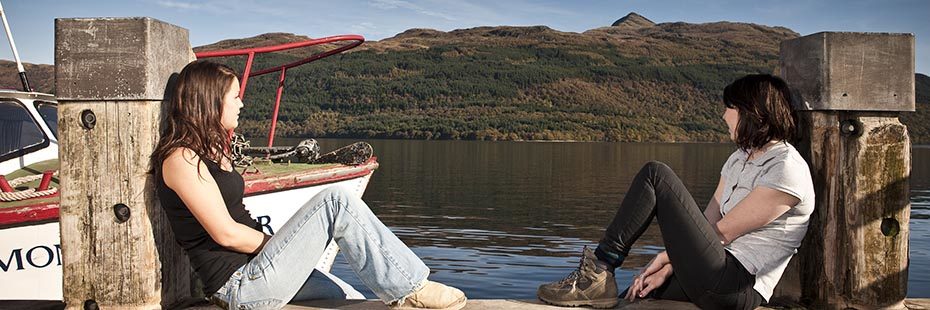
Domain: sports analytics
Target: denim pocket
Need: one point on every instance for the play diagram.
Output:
(255, 269)
(255, 272)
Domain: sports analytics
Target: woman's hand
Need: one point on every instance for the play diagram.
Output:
(642, 286)
(652, 277)
(656, 264)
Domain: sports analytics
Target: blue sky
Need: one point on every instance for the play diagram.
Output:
(32, 21)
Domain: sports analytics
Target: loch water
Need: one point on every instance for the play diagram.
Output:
(497, 219)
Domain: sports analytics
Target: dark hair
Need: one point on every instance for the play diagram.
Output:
(193, 114)
(763, 103)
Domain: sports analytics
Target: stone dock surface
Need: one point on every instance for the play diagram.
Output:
(476, 304)
(505, 304)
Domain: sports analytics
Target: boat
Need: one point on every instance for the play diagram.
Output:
(277, 179)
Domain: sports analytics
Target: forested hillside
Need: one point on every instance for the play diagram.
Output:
(635, 81)
(631, 81)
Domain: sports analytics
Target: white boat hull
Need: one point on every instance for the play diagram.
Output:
(272, 210)
(30, 262)
(30, 255)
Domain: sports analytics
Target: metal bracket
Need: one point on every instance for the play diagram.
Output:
(851, 128)
(88, 119)
(122, 212)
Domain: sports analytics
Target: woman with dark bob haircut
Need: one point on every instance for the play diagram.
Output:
(728, 255)
(240, 266)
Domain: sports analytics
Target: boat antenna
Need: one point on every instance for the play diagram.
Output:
(19, 64)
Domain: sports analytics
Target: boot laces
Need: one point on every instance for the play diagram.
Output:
(582, 271)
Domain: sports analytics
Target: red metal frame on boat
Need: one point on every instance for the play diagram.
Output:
(354, 40)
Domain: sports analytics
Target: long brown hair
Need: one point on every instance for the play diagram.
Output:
(193, 114)
(764, 105)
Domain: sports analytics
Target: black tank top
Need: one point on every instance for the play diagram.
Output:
(214, 263)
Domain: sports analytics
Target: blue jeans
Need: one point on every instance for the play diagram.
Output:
(284, 269)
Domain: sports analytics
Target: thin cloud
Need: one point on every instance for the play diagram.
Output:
(362, 27)
(227, 7)
(401, 4)
(179, 5)
(532, 8)
(369, 30)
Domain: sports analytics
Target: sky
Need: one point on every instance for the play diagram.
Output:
(32, 21)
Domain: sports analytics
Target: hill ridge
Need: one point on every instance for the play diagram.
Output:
(657, 83)
(633, 21)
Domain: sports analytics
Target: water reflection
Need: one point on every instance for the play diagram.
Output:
(499, 218)
(918, 282)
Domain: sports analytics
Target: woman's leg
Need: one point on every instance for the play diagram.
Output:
(593, 283)
(697, 256)
(656, 186)
(287, 260)
(324, 285)
(702, 268)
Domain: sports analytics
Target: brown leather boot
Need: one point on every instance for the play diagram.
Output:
(432, 295)
(589, 285)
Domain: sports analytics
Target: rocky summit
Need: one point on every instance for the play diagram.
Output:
(633, 21)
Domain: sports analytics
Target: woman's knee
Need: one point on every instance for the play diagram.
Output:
(341, 197)
(658, 168)
(336, 193)
(659, 174)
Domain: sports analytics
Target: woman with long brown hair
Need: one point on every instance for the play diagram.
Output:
(240, 266)
(728, 255)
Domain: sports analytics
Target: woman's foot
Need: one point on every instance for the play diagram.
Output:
(589, 285)
(432, 295)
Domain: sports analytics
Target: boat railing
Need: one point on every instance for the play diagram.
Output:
(352, 42)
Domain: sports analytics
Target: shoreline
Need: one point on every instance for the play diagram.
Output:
(259, 139)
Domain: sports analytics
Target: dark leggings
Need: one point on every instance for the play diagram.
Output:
(704, 273)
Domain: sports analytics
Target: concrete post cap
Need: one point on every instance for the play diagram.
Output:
(853, 71)
(109, 58)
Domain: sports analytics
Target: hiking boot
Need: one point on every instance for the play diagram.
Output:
(589, 285)
(432, 295)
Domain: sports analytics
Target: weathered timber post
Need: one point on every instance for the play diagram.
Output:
(852, 87)
(117, 247)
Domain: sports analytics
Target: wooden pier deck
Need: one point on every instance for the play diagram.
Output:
(476, 304)
(506, 304)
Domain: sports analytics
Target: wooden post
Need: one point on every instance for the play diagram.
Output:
(117, 247)
(851, 88)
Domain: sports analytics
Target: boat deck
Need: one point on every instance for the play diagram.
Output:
(280, 176)
(37, 168)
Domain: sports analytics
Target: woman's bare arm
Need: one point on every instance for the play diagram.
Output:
(762, 206)
(712, 212)
(198, 190)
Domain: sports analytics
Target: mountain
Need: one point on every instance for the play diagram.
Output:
(633, 81)
(918, 122)
(659, 82)
(41, 77)
(273, 38)
(633, 21)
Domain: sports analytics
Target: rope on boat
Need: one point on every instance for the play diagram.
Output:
(27, 193)
(237, 145)
(307, 151)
